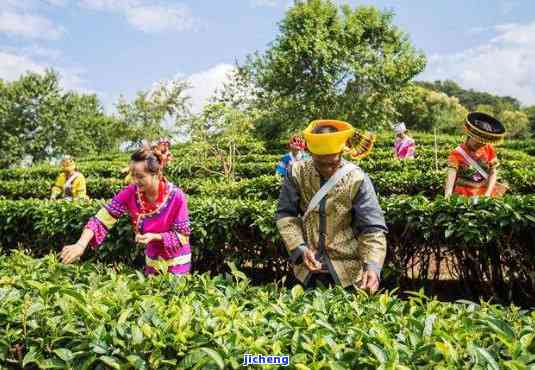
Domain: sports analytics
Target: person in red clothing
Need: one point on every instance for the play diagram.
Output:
(472, 165)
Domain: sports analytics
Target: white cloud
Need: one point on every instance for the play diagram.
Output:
(57, 2)
(29, 26)
(159, 18)
(505, 65)
(34, 51)
(261, 3)
(13, 65)
(17, 4)
(31, 4)
(42, 52)
(109, 5)
(205, 83)
(146, 16)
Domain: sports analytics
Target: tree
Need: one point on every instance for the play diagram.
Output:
(424, 110)
(220, 131)
(38, 119)
(331, 62)
(90, 130)
(530, 111)
(516, 123)
(471, 98)
(154, 113)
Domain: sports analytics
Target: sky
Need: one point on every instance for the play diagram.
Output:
(119, 47)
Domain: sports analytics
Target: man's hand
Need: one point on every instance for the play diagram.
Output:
(147, 238)
(72, 253)
(312, 264)
(370, 281)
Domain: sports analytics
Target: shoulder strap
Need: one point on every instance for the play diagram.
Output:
(69, 182)
(472, 162)
(316, 199)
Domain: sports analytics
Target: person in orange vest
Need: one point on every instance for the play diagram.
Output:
(472, 166)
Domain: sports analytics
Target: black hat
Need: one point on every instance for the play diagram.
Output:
(484, 128)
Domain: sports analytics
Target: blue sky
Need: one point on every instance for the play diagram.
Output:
(114, 47)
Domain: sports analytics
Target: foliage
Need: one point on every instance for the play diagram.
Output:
(89, 316)
(516, 123)
(471, 99)
(152, 113)
(40, 120)
(219, 132)
(426, 110)
(530, 111)
(254, 172)
(489, 240)
(256, 180)
(331, 62)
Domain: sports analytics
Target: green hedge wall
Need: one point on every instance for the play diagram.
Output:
(389, 178)
(490, 240)
(248, 166)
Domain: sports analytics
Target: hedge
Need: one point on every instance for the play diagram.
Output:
(389, 178)
(89, 316)
(490, 241)
(252, 165)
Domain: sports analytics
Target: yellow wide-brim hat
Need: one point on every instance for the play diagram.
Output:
(331, 142)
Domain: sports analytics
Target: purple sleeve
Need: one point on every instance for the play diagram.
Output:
(118, 205)
(108, 215)
(99, 232)
(178, 236)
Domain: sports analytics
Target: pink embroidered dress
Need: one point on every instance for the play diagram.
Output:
(168, 217)
(404, 148)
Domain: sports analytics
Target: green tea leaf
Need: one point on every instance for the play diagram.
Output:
(296, 292)
(64, 354)
(215, 356)
(377, 352)
(111, 362)
(488, 357)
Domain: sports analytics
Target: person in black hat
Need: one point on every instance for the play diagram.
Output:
(472, 165)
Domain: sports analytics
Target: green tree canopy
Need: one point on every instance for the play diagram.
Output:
(155, 112)
(424, 110)
(330, 62)
(472, 98)
(40, 120)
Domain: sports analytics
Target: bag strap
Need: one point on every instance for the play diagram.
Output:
(69, 182)
(473, 163)
(316, 199)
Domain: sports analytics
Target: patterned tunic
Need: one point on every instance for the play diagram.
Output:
(347, 229)
(469, 181)
(170, 218)
(70, 190)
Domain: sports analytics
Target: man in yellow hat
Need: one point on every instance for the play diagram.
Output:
(328, 213)
(70, 184)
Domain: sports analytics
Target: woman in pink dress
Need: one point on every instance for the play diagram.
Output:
(404, 146)
(158, 211)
